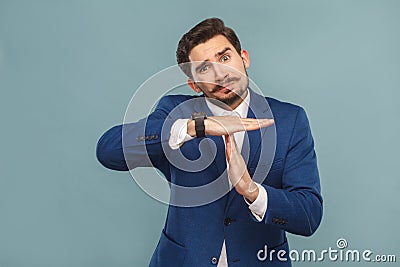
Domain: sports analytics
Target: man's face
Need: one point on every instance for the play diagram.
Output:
(219, 71)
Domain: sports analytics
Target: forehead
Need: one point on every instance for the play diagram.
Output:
(207, 50)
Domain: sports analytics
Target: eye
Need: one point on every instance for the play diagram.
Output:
(225, 58)
(204, 68)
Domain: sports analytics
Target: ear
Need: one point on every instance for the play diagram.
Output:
(245, 57)
(193, 85)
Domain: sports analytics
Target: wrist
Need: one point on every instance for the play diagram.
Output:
(191, 129)
(252, 192)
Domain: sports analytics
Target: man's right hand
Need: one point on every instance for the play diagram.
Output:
(227, 125)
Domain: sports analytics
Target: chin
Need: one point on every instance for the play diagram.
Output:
(230, 99)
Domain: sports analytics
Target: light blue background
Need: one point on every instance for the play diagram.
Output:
(69, 68)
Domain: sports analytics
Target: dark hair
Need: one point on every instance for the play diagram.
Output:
(201, 33)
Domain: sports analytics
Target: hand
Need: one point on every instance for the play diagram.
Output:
(237, 171)
(227, 125)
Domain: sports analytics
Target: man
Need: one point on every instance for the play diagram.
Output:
(278, 183)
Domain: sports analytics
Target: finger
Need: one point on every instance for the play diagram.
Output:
(228, 147)
(267, 122)
(233, 141)
(257, 121)
(262, 123)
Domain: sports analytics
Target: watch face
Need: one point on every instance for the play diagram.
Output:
(196, 115)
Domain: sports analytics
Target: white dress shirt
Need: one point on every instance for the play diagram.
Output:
(179, 136)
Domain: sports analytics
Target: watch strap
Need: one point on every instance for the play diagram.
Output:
(199, 127)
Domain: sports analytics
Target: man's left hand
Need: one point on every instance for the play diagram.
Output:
(237, 171)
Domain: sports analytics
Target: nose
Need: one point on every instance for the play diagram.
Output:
(220, 72)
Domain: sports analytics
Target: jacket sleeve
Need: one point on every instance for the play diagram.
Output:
(138, 144)
(297, 206)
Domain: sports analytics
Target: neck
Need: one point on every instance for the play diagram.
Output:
(236, 103)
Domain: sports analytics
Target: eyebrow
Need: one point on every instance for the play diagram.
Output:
(223, 51)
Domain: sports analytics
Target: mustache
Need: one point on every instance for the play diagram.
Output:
(227, 81)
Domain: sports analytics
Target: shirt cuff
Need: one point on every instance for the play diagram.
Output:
(259, 207)
(179, 133)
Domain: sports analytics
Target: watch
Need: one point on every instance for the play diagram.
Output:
(198, 118)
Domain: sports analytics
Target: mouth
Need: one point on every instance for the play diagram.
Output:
(224, 88)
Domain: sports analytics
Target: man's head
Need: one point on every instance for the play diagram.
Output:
(217, 63)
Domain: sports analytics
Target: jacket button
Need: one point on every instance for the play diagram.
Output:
(227, 221)
(214, 260)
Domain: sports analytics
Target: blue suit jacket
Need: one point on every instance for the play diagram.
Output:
(193, 236)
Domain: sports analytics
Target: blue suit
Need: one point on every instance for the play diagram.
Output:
(193, 236)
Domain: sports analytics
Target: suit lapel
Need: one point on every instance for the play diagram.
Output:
(258, 109)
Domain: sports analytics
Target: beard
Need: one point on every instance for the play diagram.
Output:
(235, 97)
